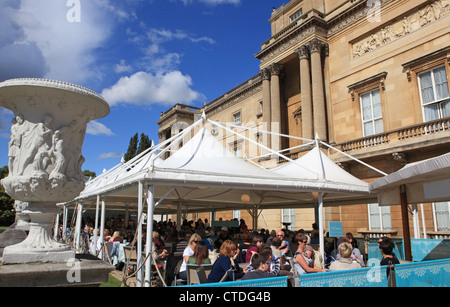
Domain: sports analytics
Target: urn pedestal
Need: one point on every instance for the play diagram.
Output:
(45, 158)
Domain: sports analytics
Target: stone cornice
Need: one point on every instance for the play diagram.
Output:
(314, 26)
(245, 90)
(168, 115)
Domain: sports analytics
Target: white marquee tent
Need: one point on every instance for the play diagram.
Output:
(203, 175)
(424, 181)
(419, 182)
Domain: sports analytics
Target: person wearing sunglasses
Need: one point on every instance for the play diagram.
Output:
(303, 264)
(285, 247)
(188, 252)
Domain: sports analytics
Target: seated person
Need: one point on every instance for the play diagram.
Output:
(262, 265)
(274, 262)
(345, 261)
(116, 237)
(386, 246)
(201, 255)
(225, 264)
(256, 243)
(276, 243)
(285, 247)
(303, 264)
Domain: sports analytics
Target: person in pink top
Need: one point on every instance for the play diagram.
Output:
(256, 243)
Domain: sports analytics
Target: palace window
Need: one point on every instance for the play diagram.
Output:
(237, 118)
(288, 216)
(379, 217)
(372, 119)
(442, 216)
(236, 147)
(296, 16)
(434, 93)
(369, 91)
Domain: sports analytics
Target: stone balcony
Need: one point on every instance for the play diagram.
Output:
(428, 136)
(433, 133)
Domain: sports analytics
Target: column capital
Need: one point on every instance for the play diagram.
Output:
(265, 73)
(302, 52)
(275, 69)
(316, 45)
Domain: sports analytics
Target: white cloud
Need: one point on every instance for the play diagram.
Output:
(107, 155)
(96, 128)
(164, 35)
(18, 56)
(143, 88)
(52, 46)
(155, 57)
(212, 2)
(122, 67)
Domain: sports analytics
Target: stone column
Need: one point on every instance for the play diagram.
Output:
(275, 99)
(326, 73)
(320, 124)
(305, 88)
(265, 75)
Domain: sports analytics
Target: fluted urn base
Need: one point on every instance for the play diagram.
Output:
(39, 246)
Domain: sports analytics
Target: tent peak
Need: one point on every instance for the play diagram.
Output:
(203, 116)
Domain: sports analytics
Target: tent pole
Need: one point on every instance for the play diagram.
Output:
(56, 228)
(321, 229)
(140, 274)
(405, 222)
(64, 231)
(96, 234)
(416, 225)
(78, 227)
(423, 222)
(148, 245)
(255, 218)
(102, 228)
(179, 215)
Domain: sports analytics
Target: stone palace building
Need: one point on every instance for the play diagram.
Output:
(371, 78)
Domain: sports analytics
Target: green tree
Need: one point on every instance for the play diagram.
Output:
(7, 214)
(88, 173)
(144, 143)
(132, 148)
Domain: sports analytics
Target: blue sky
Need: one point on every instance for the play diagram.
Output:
(142, 56)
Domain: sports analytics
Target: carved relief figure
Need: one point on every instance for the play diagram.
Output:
(13, 146)
(36, 144)
(434, 11)
(57, 154)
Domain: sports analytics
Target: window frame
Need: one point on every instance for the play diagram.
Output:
(382, 214)
(240, 118)
(438, 102)
(373, 119)
(296, 16)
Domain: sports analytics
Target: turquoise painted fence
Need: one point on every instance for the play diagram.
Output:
(364, 277)
(263, 282)
(433, 273)
(430, 249)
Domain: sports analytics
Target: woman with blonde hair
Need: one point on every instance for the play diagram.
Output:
(345, 261)
(116, 237)
(188, 252)
(225, 264)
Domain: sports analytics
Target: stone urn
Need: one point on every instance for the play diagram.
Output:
(45, 158)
